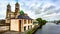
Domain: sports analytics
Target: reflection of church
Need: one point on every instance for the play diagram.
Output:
(18, 22)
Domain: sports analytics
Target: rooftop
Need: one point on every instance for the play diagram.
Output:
(24, 17)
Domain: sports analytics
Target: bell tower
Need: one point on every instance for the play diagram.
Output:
(16, 9)
(8, 13)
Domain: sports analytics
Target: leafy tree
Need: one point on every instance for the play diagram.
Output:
(21, 12)
(41, 22)
(58, 22)
(44, 22)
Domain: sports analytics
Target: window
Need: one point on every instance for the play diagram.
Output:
(31, 26)
(20, 23)
(29, 21)
(24, 28)
(24, 21)
(28, 27)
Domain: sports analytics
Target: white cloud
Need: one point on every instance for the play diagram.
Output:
(34, 8)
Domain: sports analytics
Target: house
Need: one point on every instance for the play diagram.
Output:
(21, 24)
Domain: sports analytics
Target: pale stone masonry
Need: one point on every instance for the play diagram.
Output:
(16, 25)
(18, 22)
(10, 14)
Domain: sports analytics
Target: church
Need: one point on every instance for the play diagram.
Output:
(18, 22)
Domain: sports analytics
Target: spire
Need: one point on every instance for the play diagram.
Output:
(8, 11)
(8, 5)
(17, 3)
(17, 7)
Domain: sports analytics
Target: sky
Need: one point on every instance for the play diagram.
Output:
(46, 9)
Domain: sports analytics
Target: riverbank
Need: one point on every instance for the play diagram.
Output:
(33, 30)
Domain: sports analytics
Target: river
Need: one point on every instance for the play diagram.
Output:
(49, 28)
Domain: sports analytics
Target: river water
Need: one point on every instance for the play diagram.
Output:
(49, 28)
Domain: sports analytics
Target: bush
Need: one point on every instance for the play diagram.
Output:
(32, 30)
(29, 32)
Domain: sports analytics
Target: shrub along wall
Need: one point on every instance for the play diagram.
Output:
(33, 30)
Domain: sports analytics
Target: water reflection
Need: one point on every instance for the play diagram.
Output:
(49, 28)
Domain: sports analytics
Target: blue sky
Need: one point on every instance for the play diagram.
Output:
(46, 9)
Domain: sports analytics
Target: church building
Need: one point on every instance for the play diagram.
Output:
(18, 20)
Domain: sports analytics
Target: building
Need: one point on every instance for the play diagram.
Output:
(17, 21)
(21, 24)
(10, 14)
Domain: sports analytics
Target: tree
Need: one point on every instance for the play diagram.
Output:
(58, 22)
(44, 22)
(41, 22)
(21, 12)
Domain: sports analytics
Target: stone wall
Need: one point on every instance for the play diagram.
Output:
(14, 25)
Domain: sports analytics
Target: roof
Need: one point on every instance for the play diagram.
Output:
(17, 3)
(24, 17)
(8, 5)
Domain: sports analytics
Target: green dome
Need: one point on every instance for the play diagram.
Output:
(21, 12)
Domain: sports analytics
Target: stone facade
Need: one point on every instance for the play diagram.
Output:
(14, 25)
(10, 14)
(17, 25)
(17, 21)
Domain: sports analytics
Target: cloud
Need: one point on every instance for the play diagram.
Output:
(46, 9)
